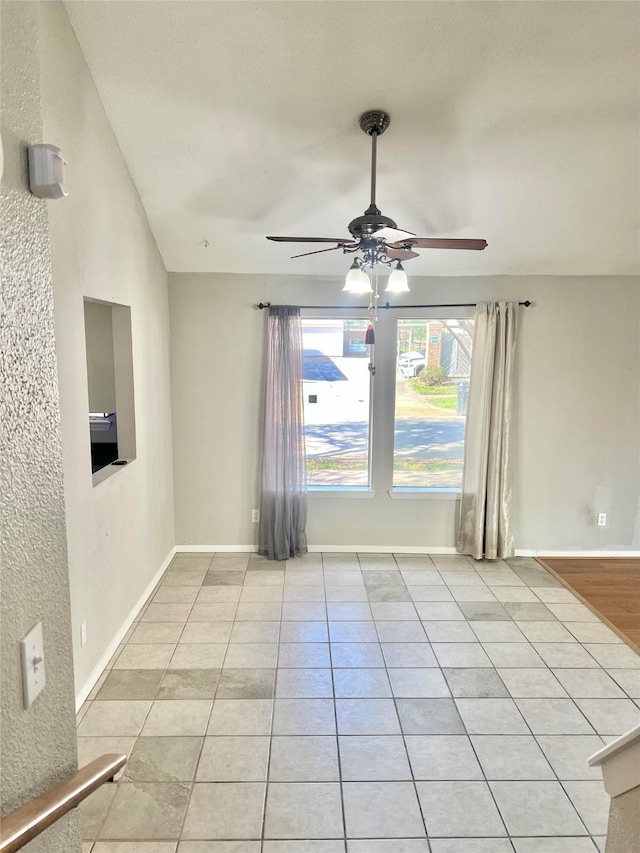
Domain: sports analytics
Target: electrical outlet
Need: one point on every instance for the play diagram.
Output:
(602, 519)
(83, 634)
(255, 515)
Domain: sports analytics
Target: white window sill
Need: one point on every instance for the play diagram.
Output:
(424, 494)
(108, 471)
(350, 493)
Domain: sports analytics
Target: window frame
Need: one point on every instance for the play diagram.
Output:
(382, 403)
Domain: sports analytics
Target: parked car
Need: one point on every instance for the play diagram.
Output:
(356, 347)
(411, 364)
(404, 357)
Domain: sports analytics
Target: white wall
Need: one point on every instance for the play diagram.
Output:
(101, 375)
(37, 745)
(576, 432)
(121, 531)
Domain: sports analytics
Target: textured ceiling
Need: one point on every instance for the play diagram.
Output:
(516, 122)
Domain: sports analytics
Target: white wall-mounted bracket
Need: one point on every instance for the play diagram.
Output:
(46, 171)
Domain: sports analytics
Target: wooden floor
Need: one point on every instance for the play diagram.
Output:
(610, 587)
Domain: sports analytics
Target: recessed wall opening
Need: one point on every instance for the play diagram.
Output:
(110, 386)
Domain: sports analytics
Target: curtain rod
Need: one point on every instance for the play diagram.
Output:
(387, 306)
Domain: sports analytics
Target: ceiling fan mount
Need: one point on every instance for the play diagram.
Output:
(376, 237)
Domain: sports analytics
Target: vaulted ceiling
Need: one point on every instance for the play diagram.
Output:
(512, 121)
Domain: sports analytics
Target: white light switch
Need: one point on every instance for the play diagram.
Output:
(32, 655)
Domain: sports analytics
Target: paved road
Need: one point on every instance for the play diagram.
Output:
(437, 439)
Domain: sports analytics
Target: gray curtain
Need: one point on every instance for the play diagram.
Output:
(485, 512)
(283, 504)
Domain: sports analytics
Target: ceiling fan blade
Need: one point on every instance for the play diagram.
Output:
(401, 254)
(393, 235)
(317, 252)
(342, 240)
(441, 243)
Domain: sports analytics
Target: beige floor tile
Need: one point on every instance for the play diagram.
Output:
(304, 758)
(189, 684)
(365, 683)
(367, 717)
(172, 594)
(382, 810)
(219, 847)
(459, 810)
(418, 683)
(442, 758)
(177, 717)
(114, 719)
(569, 755)
(134, 847)
(258, 612)
(166, 613)
(255, 632)
(246, 684)
(241, 717)
(225, 810)
(144, 656)
(430, 593)
(554, 845)
(304, 684)
(347, 655)
(251, 656)
(219, 594)
(128, 684)
(493, 716)
(304, 655)
(90, 748)
(379, 758)
(536, 807)
(540, 683)
(215, 612)
(94, 810)
(303, 810)
(506, 757)
(313, 593)
(234, 759)
(157, 632)
(303, 847)
(198, 656)
(304, 717)
(163, 759)
(353, 632)
(146, 810)
(206, 632)
(262, 595)
(588, 684)
(399, 632)
(304, 611)
(183, 578)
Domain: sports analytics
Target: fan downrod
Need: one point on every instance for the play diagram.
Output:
(374, 121)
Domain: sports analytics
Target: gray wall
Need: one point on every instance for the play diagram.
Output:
(577, 419)
(120, 532)
(38, 745)
(101, 376)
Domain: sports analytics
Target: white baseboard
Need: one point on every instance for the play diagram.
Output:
(99, 668)
(206, 549)
(403, 549)
(543, 552)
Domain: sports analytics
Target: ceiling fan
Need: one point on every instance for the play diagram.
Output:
(376, 238)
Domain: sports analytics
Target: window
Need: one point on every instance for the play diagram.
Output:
(432, 384)
(110, 386)
(420, 437)
(336, 391)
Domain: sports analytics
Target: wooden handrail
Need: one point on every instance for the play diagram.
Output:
(19, 827)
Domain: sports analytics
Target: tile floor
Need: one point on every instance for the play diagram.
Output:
(369, 703)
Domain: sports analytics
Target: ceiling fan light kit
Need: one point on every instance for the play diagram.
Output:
(376, 238)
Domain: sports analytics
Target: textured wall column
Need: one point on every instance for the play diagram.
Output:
(38, 745)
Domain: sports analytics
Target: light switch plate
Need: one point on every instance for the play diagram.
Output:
(32, 656)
